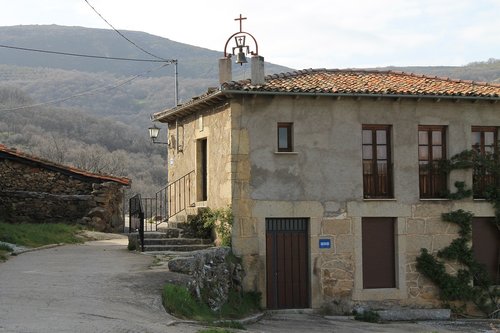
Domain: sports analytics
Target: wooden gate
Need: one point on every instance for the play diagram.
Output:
(287, 263)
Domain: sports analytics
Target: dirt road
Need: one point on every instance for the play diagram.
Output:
(94, 287)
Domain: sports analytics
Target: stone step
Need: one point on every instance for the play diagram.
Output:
(180, 248)
(164, 233)
(177, 225)
(176, 241)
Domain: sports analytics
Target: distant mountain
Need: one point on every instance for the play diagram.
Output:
(487, 71)
(194, 62)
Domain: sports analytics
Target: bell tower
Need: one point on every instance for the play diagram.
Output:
(241, 50)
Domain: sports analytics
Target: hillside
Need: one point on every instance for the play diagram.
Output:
(486, 71)
(194, 62)
(106, 130)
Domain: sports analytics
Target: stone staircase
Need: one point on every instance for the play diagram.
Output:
(155, 241)
(173, 235)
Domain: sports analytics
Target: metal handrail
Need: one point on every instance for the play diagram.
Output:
(175, 197)
(167, 202)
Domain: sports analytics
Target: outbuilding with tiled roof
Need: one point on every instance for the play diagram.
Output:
(36, 190)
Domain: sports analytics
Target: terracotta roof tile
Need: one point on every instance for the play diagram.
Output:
(23, 156)
(357, 81)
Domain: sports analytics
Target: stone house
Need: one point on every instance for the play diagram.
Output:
(329, 175)
(34, 190)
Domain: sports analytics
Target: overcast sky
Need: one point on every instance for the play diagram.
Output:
(297, 34)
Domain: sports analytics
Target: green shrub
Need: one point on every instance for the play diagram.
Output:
(368, 316)
(178, 301)
(6, 248)
(220, 220)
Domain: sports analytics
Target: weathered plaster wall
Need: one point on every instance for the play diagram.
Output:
(30, 194)
(215, 127)
(322, 180)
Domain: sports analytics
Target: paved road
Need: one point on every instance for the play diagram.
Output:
(95, 287)
(101, 287)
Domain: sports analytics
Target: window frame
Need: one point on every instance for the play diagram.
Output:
(436, 181)
(289, 139)
(373, 187)
(481, 180)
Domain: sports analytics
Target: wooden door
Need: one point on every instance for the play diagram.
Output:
(485, 245)
(287, 263)
(379, 262)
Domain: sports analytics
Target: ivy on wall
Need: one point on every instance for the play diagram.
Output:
(471, 283)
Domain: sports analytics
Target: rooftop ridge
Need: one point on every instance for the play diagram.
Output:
(370, 71)
(16, 152)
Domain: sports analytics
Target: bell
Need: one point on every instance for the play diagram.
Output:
(240, 58)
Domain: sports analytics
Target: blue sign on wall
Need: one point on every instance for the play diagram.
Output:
(325, 243)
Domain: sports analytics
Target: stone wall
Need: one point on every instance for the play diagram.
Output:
(30, 194)
(214, 273)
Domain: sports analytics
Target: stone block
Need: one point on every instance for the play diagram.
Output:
(344, 244)
(336, 227)
(431, 209)
(414, 314)
(436, 226)
(245, 245)
(415, 226)
(247, 227)
(378, 209)
(416, 242)
(439, 242)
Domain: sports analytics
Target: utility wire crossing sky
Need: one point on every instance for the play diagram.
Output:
(312, 34)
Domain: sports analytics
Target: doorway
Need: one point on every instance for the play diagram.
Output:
(202, 169)
(287, 263)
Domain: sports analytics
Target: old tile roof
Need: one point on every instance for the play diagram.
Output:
(355, 81)
(341, 82)
(14, 154)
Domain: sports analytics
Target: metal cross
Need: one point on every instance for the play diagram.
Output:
(241, 18)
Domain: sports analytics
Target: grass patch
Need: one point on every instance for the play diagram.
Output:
(214, 330)
(36, 235)
(178, 301)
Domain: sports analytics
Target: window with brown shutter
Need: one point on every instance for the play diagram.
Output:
(433, 181)
(377, 163)
(484, 143)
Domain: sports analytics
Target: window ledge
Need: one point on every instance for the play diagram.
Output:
(434, 199)
(380, 199)
(286, 153)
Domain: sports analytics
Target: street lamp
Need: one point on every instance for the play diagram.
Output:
(154, 131)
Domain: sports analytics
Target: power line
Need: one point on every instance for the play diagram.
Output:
(118, 32)
(82, 55)
(87, 92)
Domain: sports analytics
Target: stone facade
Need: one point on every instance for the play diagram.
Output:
(35, 191)
(322, 180)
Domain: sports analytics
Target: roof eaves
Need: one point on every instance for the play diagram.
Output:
(189, 107)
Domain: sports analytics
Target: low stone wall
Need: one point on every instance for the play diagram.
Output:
(214, 273)
(30, 194)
